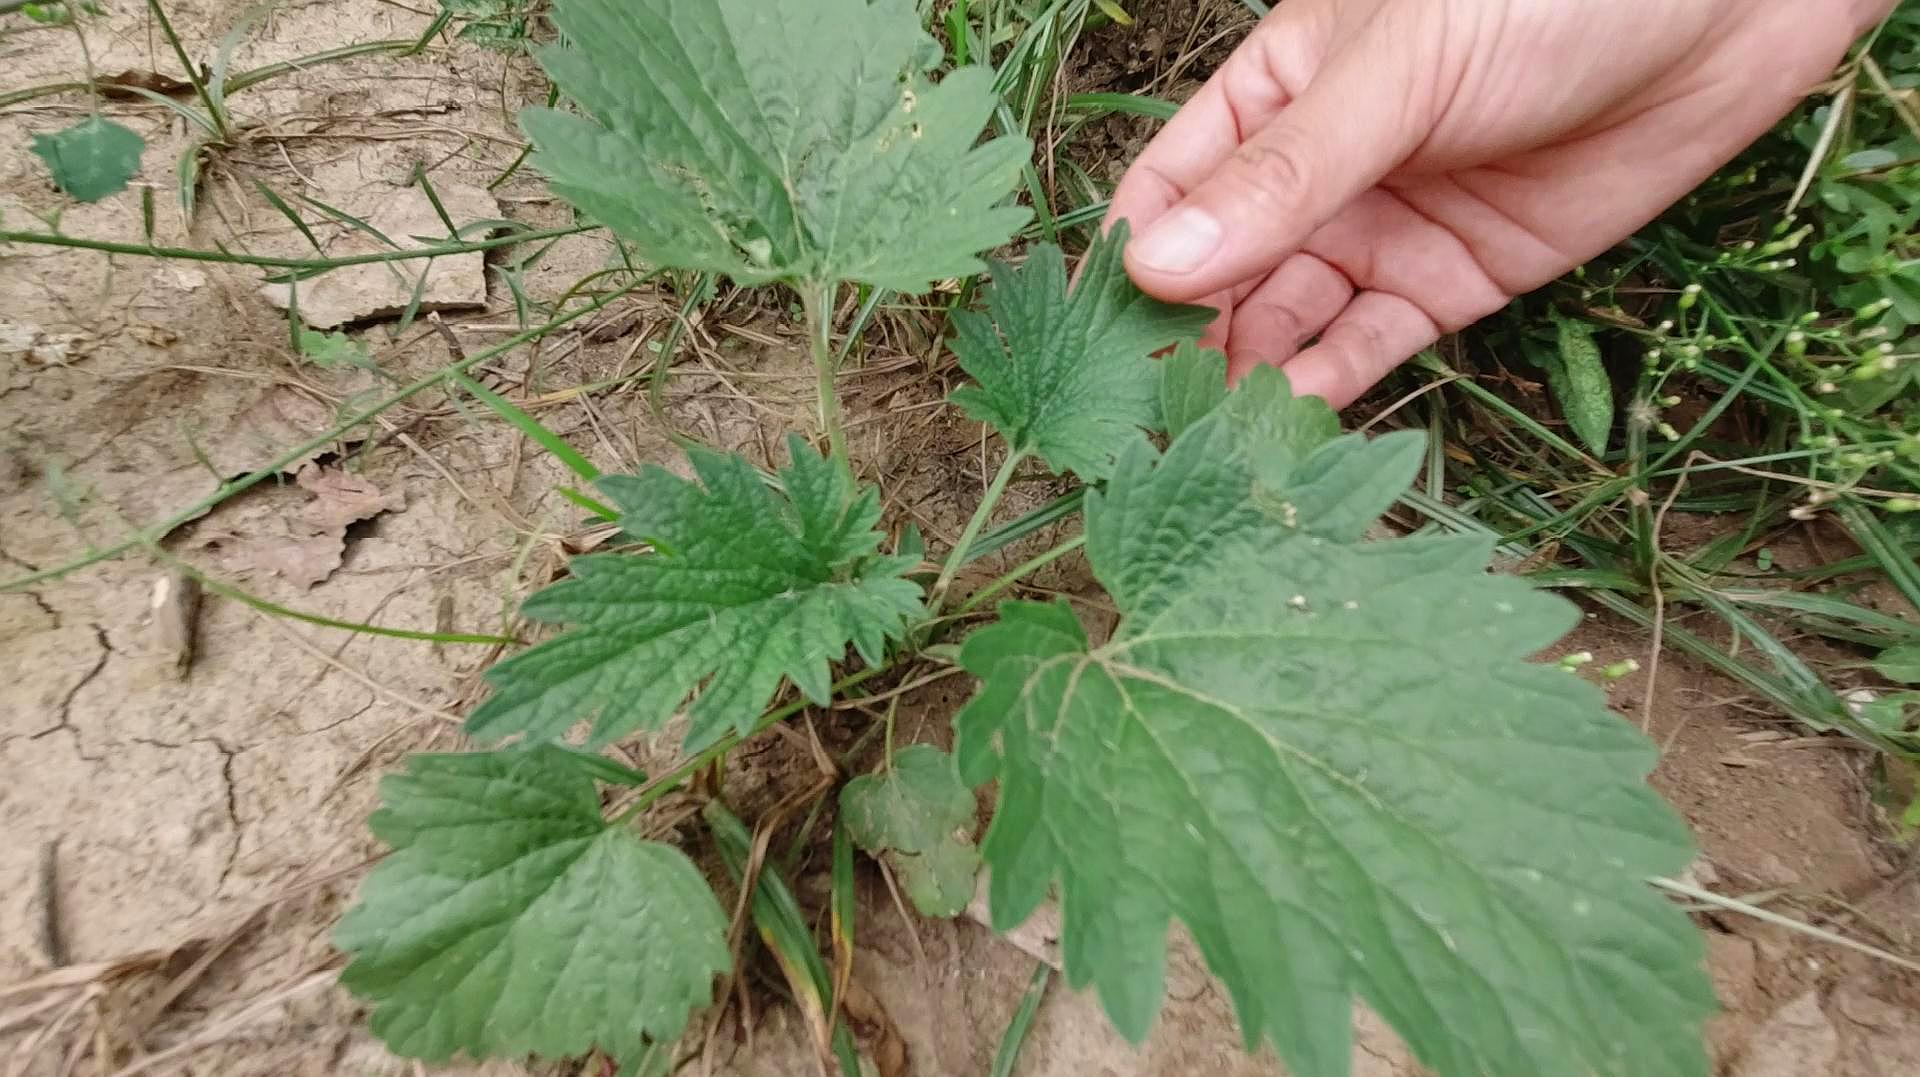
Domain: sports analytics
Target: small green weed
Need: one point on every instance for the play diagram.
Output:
(1283, 720)
(1283, 743)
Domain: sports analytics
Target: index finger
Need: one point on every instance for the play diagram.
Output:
(1243, 96)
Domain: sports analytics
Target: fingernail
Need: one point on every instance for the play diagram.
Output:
(1180, 242)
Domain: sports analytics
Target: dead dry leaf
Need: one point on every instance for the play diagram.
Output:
(885, 1045)
(341, 498)
(308, 546)
(124, 85)
(280, 418)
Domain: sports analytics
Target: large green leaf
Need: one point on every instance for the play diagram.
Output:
(918, 815)
(744, 586)
(1330, 761)
(1063, 373)
(511, 919)
(777, 139)
(92, 159)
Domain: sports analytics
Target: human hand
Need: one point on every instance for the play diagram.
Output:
(1374, 173)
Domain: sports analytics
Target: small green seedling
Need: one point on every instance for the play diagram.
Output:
(1329, 759)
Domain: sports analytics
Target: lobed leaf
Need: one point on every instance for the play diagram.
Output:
(1193, 382)
(777, 139)
(744, 587)
(511, 919)
(1330, 761)
(1063, 372)
(92, 159)
(919, 816)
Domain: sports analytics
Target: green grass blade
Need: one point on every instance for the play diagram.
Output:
(782, 926)
(227, 590)
(1126, 103)
(999, 538)
(1008, 1056)
(1900, 565)
(287, 211)
(533, 428)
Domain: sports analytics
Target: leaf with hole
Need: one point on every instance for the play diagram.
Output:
(796, 140)
(92, 159)
(1063, 372)
(744, 586)
(919, 817)
(511, 919)
(1329, 760)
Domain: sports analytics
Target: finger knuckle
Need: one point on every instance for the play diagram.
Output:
(1360, 349)
(1270, 174)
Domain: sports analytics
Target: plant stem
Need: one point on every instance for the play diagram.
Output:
(54, 239)
(816, 302)
(673, 779)
(214, 111)
(958, 555)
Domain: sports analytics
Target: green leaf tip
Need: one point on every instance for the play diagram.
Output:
(92, 159)
(1331, 761)
(510, 919)
(796, 140)
(919, 816)
(1065, 372)
(744, 586)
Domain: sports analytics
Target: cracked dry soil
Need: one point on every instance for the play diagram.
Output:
(206, 831)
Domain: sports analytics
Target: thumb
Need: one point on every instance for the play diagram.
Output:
(1356, 120)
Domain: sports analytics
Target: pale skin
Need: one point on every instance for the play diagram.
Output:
(1362, 176)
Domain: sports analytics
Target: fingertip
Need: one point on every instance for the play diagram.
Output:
(1169, 258)
(1311, 375)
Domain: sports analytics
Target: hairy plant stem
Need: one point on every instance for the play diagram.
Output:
(54, 239)
(958, 555)
(816, 302)
(673, 779)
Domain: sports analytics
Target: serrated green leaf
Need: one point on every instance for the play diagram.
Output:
(1900, 664)
(511, 919)
(777, 139)
(920, 817)
(744, 587)
(1193, 382)
(91, 159)
(1063, 374)
(1331, 762)
(1580, 383)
